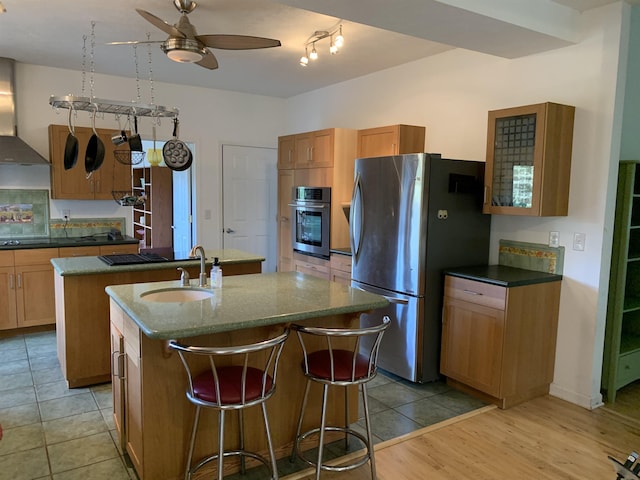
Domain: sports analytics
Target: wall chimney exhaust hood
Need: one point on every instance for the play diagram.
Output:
(13, 150)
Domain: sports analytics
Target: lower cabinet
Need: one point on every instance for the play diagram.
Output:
(341, 268)
(27, 297)
(499, 342)
(317, 267)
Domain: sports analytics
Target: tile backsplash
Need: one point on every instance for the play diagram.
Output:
(84, 227)
(531, 256)
(33, 204)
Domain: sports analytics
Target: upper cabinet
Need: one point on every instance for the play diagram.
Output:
(529, 160)
(73, 184)
(314, 149)
(390, 140)
(286, 148)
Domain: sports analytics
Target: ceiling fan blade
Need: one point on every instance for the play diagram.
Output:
(134, 42)
(236, 42)
(161, 24)
(209, 61)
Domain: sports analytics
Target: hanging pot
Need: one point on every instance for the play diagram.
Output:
(94, 155)
(71, 146)
(175, 152)
(135, 142)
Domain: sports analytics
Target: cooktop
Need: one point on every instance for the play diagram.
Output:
(132, 258)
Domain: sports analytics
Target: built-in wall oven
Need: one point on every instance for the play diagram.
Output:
(312, 220)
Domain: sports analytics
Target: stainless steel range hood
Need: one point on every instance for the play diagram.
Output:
(13, 150)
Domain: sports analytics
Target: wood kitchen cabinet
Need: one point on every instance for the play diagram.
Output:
(341, 268)
(153, 220)
(73, 184)
(528, 161)
(95, 250)
(390, 140)
(27, 297)
(499, 342)
(333, 152)
(315, 266)
(285, 251)
(314, 149)
(621, 362)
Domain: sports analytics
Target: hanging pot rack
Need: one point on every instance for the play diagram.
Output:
(89, 104)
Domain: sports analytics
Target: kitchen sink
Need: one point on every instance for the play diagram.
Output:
(177, 295)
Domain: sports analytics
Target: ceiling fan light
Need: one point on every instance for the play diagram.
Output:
(304, 61)
(183, 50)
(333, 48)
(314, 54)
(339, 41)
(184, 56)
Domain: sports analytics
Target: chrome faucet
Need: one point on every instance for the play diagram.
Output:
(198, 251)
(184, 277)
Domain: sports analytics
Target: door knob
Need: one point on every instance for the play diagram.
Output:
(229, 230)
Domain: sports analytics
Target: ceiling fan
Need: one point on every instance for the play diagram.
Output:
(186, 46)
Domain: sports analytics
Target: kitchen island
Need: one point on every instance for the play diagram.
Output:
(151, 411)
(82, 306)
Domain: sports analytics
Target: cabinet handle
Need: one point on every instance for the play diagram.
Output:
(91, 186)
(471, 292)
(119, 363)
(394, 148)
(485, 196)
(11, 285)
(19, 280)
(98, 186)
(311, 150)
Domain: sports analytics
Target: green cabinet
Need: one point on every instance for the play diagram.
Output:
(621, 364)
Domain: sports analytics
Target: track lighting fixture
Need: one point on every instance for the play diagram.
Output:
(336, 41)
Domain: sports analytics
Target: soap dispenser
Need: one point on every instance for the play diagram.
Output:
(216, 274)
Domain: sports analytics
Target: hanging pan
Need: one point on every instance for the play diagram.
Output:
(94, 155)
(71, 146)
(135, 142)
(175, 152)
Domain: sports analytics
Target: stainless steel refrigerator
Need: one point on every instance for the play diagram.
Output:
(413, 216)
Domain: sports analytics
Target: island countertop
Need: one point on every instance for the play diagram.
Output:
(93, 265)
(244, 301)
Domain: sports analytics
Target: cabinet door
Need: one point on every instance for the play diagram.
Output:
(113, 175)
(8, 314)
(377, 142)
(133, 408)
(529, 160)
(117, 383)
(69, 184)
(322, 148)
(286, 147)
(35, 295)
(302, 150)
(285, 193)
(472, 342)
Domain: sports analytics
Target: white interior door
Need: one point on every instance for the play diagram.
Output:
(249, 201)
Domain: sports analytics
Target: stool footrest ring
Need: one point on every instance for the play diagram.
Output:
(230, 453)
(331, 468)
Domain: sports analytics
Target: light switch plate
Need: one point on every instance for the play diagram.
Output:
(579, 240)
(554, 239)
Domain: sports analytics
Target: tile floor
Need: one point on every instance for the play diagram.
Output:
(53, 433)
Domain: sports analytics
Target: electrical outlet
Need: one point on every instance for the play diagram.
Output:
(66, 214)
(554, 239)
(579, 240)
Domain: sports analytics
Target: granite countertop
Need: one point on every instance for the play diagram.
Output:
(55, 242)
(244, 301)
(503, 276)
(93, 265)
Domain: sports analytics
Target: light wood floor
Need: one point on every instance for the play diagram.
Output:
(627, 401)
(543, 439)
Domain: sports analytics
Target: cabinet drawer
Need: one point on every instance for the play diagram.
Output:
(35, 256)
(341, 262)
(628, 368)
(476, 292)
(90, 251)
(6, 258)
(118, 249)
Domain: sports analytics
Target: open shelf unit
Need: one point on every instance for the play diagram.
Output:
(153, 220)
(621, 363)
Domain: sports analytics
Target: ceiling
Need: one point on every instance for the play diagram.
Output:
(379, 34)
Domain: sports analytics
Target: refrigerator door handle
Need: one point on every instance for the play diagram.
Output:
(357, 188)
(398, 301)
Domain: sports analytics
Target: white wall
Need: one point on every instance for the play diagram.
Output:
(208, 118)
(451, 94)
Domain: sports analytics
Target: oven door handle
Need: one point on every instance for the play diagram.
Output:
(308, 205)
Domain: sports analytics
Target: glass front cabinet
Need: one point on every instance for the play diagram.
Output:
(529, 160)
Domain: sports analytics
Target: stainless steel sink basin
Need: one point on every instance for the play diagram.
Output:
(177, 295)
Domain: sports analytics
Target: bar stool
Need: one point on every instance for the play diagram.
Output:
(339, 366)
(225, 387)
